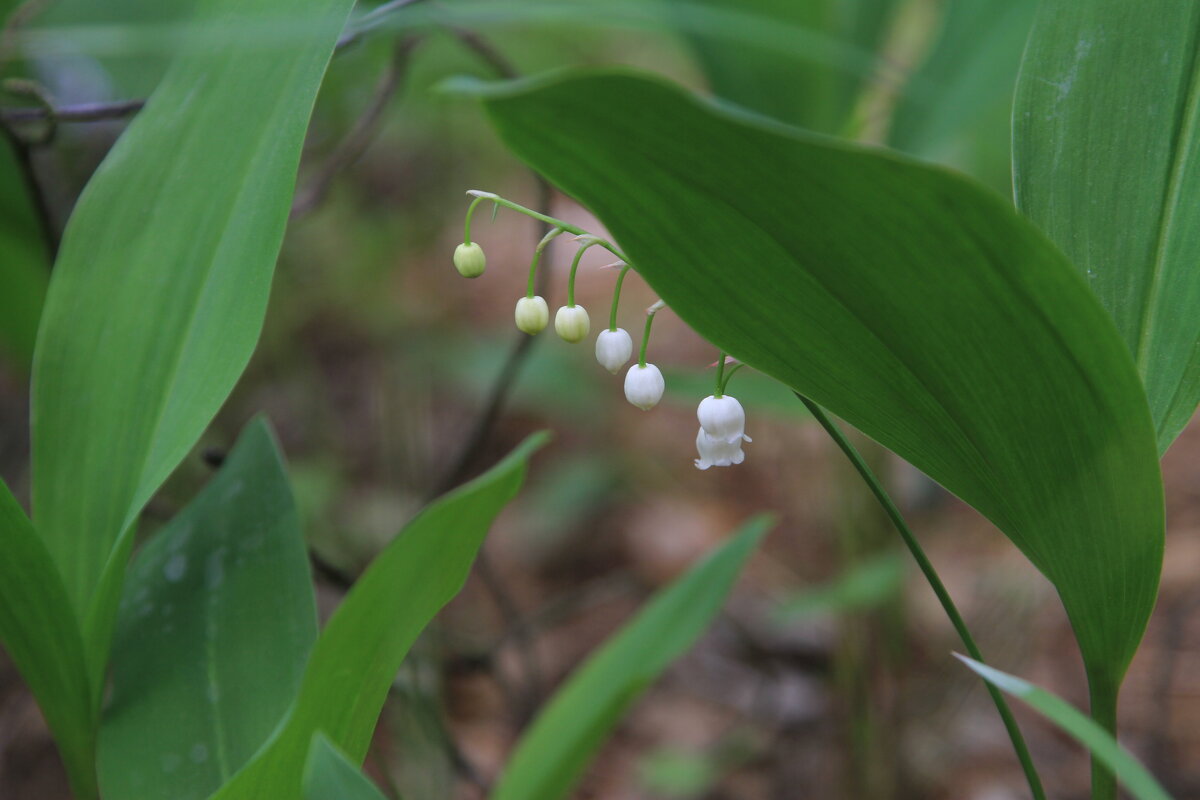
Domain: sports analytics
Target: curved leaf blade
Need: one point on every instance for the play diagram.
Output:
(1140, 783)
(1106, 158)
(160, 287)
(216, 624)
(39, 631)
(574, 724)
(24, 266)
(329, 775)
(913, 303)
(365, 641)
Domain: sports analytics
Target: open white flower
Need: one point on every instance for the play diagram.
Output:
(644, 386)
(613, 349)
(572, 323)
(717, 452)
(722, 418)
(722, 431)
(532, 315)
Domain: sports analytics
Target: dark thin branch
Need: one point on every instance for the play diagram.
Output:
(360, 137)
(368, 22)
(81, 112)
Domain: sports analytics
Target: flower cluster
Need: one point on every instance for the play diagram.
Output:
(722, 419)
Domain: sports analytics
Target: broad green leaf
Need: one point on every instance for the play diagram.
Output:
(160, 287)
(329, 775)
(361, 648)
(24, 265)
(567, 733)
(40, 633)
(1140, 783)
(216, 623)
(957, 105)
(913, 303)
(811, 78)
(1106, 160)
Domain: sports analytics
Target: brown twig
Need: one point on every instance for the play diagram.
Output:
(360, 137)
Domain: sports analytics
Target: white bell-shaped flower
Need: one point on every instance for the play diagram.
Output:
(644, 386)
(718, 452)
(613, 349)
(532, 315)
(572, 323)
(722, 418)
(469, 260)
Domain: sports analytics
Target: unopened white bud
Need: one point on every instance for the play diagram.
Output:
(722, 418)
(572, 323)
(644, 386)
(469, 260)
(532, 315)
(613, 349)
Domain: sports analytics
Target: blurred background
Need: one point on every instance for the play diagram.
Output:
(391, 379)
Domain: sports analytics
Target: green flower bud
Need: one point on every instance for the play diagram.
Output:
(532, 315)
(572, 323)
(469, 260)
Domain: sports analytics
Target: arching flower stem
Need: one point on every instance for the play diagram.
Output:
(650, 312)
(537, 256)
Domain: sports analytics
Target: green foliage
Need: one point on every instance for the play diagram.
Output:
(24, 265)
(911, 302)
(361, 648)
(571, 727)
(40, 633)
(160, 288)
(865, 585)
(1106, 160)
(811, 81)
(329, 775)
(215, 626)
(956, 106)
(1140, 783)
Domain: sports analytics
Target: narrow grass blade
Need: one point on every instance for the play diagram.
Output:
(574, 724)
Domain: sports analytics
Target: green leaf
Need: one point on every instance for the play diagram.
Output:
(913, 303)
(1106, 159)
(39, 631)
(1140, 783)
(360, 650)
(329, 775)
(865, 585)
(215, 626)
(24, 265)
(801, 63)
(956, 106)
(159, 291)
(574, 724)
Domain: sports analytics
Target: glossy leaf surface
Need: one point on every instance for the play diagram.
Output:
(361, 648)
(329, 775)
(1140, 783)
(574, 724)
(215, 626)
(161, 284)
(1107, 161)
(913, 303)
